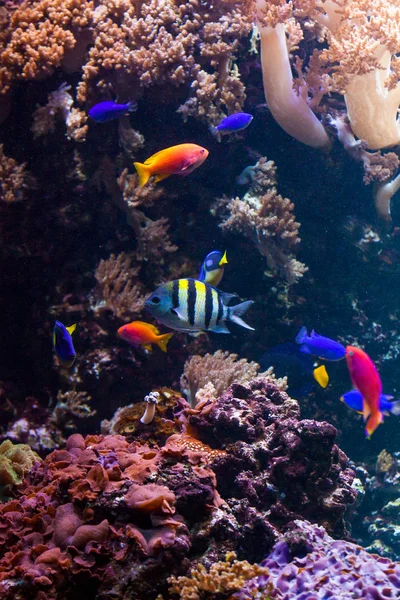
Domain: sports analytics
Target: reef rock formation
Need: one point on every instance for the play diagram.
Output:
(119, 518)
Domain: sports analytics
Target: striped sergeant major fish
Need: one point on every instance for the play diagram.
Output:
(191, 305)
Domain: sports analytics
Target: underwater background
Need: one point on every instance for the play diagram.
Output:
(107, 490)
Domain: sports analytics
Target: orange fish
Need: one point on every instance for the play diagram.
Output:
(176, 160)
(140, 333)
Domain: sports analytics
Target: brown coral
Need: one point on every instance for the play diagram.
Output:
(267, 219)
(14, 179)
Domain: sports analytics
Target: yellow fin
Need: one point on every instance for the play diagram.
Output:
(223, 261)
(321, 376)
(148, 347)
(163, 340)
(162, 176)
(71, 329)
(144, 173)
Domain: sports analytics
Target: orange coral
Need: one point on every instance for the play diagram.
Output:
(14, 179)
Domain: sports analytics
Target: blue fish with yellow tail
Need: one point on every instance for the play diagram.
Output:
(212, 269)
(191, 306)
(235, 122)
(319, 346)
(110, 110)
(354, 400)
(63, 344)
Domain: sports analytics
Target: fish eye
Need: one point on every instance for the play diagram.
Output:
(351, 353)
(202, 151)
(155, 300)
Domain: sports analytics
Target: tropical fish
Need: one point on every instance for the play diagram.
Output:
(139, 333)
(233, 123)
(191, 305)
(63, 344)
(176, 160)
(354, 400)
(367, 381)
(212, 269)
(110, 110)
(301, 369)
(320, 346)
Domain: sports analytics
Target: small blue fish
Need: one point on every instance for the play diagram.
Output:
(300, 368)
(63, 344)
(232, 123)
(354, 400)
(109, 110)
(320, 346)
(212, 269)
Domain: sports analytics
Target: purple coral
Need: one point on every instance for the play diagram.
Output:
(322, 568)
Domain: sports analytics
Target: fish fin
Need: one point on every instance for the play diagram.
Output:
(163, 340)
(395, 408)
(220, 328)
(161, 176)
(301, 336)
(71, 329)
(132, 106)
(144, 173)
(226, 296)
(366, 411)
(148, 347)
(373, 422)
(178, 314)
(235, 312)
(321, 376)
(223, 261)
(66, 363)
(305, 349)
(213, 130)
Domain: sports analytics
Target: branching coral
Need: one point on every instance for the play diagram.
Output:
(119, 289)
(14, 179)
(266, 219)
(223, 577)
(132, 45)
(219, 369)
(59, 106)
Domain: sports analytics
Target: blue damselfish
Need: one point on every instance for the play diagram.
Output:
(354, 400)
(233, 123)
(320, 346)
(191, 305)
(63, 344)
(109, 110)
(212, 269)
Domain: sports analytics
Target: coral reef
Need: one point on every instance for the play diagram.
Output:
(14, 178)
(309, 563)
(16, 460)
(121, 517)
(267, 220)
(217, 371)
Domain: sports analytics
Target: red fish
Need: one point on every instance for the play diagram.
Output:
(366, 379)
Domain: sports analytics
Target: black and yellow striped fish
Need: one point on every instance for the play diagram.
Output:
(191, 305)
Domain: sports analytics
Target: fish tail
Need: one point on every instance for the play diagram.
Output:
(373, 422)
(321, 376)
(301, 336)
(395, 408)
(235, 312)
(132, 106)
(143, 172)
(163, 340)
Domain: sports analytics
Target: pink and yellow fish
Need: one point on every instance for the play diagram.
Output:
(139, 333)
(366, 379)
(176, 160)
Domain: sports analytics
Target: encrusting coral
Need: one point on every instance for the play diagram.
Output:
(120, 518)
(267, 220)
(16, 460)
